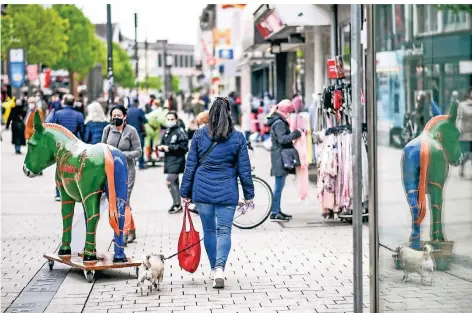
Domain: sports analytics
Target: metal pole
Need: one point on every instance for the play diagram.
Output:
(136, 70)
(166, 71)
(110, 57)
(372, 144)
(146, 62)
(356, 76)
(334, 30)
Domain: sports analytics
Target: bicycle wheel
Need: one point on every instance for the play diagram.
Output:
(263, 205)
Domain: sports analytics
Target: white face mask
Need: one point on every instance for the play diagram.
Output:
(171, 124)
(31, 106)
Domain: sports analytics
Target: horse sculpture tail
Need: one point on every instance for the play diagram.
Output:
(423, 181)
(110, 173)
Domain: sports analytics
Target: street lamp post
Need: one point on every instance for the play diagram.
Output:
(110, 57)
(136, 51)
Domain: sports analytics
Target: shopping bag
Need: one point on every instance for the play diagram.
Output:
(189, 244)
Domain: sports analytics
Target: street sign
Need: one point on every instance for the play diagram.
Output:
(16, 66)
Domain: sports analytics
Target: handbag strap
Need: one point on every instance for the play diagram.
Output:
(187, 214)
(207, 153)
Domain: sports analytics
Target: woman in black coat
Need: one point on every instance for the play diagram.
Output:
(281, 138)
(175, 145)
(16, 119)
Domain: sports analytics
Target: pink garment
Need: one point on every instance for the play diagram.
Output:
(302, 171)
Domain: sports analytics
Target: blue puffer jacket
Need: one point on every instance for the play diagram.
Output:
(216, 180)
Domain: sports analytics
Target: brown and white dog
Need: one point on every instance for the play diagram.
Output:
(151, 272)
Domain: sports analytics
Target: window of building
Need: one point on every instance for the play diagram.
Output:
(182, 61)
(453, 21)
(186, 61)
(176, 61)
(399, 24)
(427, 20)
(159, 60)
(191, 61)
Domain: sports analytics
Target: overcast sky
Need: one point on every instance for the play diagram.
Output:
(171, 20)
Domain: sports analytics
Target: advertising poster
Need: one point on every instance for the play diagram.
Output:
(16, 67)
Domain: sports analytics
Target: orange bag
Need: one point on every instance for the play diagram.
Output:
(189, 245)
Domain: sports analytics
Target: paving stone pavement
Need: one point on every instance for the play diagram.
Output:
(270, 268)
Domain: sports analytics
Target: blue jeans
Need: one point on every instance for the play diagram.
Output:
(141, 158)
(279, 187)
(17, 148)
(217, 221)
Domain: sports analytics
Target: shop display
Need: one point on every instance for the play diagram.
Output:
(333, 145)
(83, 173)
(425, 167)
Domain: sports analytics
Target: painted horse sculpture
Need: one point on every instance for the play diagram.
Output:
(425, 166)
(83, 173)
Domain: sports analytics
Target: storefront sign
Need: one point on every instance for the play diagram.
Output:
(16, 67)
(270, 24)
(335, 68)
(222, 35)
(413, 50)
(226, 54)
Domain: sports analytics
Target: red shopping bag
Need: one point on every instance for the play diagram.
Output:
(189, 245)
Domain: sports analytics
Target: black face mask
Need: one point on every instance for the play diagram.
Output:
(117, 121)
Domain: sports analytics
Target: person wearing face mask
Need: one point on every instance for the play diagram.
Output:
(281, 138)
(125, 137)
(175, 145)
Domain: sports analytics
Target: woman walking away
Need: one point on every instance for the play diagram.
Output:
(218, 156)
(95, 123)
(464, 123)
(124, 137)
(281, 138)
(175, 145)
(16, 119)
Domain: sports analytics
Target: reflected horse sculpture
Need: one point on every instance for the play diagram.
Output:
(425, 166)
(83, 173)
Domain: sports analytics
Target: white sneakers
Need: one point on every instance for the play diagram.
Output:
(219, 279)
(212, 274)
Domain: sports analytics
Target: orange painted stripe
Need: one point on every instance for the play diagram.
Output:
(68, 215)
(89, 252)
(65, 243)
(67, 229)
(436, 184)
(91, 194)
(110, 172)
(58, 183)
(432, 122)
(436, 206)
(425, 154)
(68, 202)
(93, 216)
(90, 243)
(90, 233)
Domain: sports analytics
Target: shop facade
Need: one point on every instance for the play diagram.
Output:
(413, 49)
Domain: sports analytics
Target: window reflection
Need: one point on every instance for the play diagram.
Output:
(424, 186)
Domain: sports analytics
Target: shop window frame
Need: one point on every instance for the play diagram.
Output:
(455, 27)
(416, 20)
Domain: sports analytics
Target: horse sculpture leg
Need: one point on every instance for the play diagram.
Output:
(412, 197)
(436, 213)
(91, 204)
(67, 211)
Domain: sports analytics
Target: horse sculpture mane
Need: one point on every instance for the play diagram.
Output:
(61, 129)
(434, 121)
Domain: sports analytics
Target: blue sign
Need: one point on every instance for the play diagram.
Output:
(226, 54)
(17, 67)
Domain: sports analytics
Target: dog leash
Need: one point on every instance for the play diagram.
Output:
(384, 246)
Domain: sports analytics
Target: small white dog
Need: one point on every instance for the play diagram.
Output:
(155, 263)
(144, 278)
(420, 262)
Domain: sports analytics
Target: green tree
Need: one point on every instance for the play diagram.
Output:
(83, 51)
(123, 73)
(175, 84)
(455, 7)
(41, 32)
(153, 82)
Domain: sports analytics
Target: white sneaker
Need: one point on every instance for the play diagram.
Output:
(212, 274)
(219, 279)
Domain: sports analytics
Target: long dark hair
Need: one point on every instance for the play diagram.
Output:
(220, 123)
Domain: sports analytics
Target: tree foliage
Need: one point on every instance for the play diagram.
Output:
(41, 32)
(123, 73)
(175, 84)
(153, 82)
(455, 7)
(83, 51)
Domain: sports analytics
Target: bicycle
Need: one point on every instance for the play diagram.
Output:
(261, 211)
